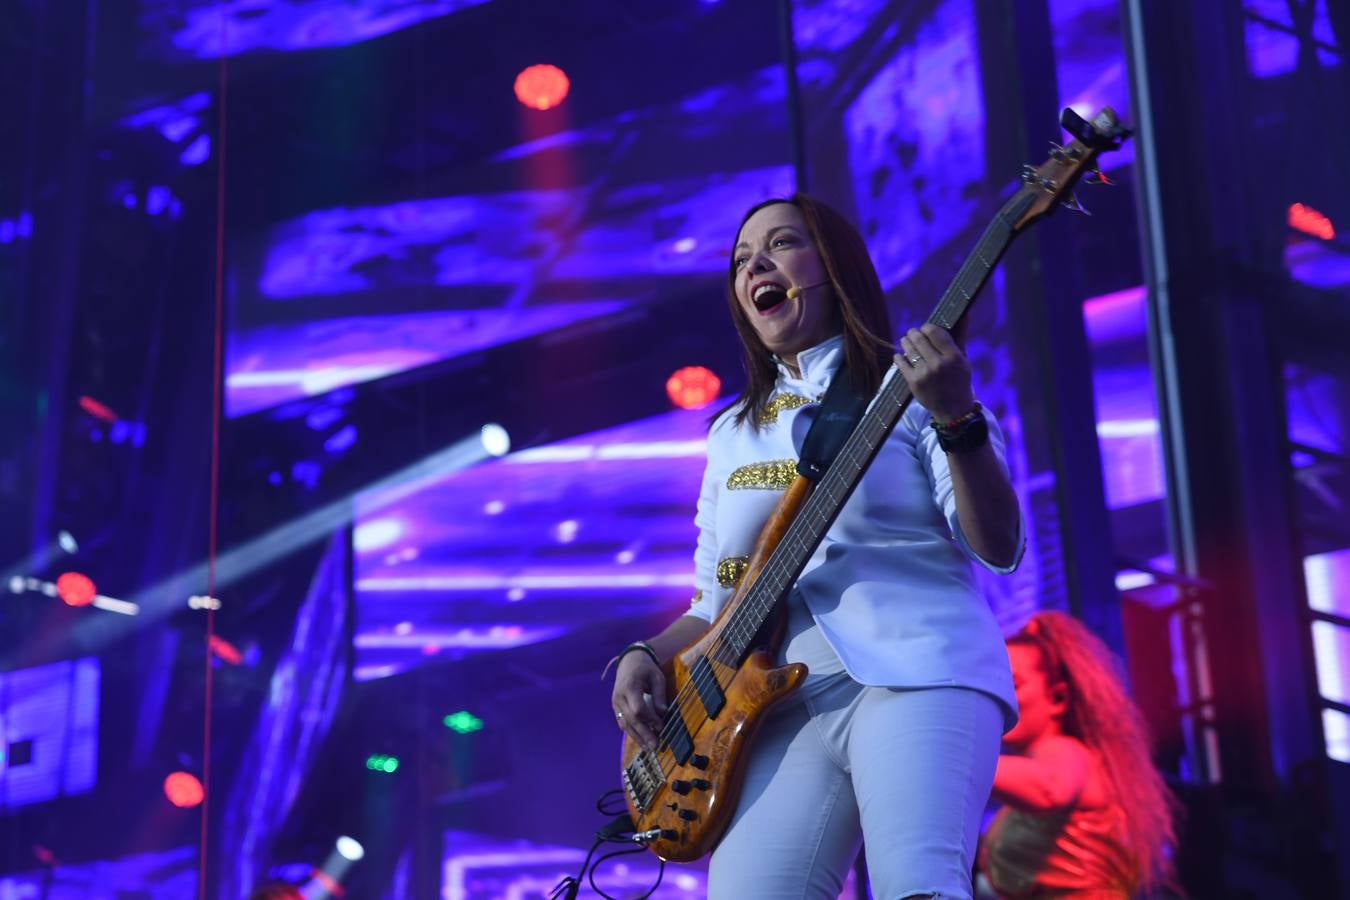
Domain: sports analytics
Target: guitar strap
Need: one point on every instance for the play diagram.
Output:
(839, 414)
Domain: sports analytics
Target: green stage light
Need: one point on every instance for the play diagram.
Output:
(463, 722)
(382, 762)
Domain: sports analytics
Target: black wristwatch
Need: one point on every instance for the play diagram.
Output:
(969, 435)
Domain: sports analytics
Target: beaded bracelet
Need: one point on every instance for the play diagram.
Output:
(958, 422)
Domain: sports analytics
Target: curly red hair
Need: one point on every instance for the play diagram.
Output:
(1101, 715)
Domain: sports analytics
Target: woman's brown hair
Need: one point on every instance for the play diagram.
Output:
(860, 308)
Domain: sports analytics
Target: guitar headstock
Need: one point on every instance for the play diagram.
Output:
(1053, 181)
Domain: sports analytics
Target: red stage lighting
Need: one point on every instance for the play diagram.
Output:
(1310, 221)
(183, 790)
(693, 387)
(225, 650)
(75, 589)
(97, 410)
(542, 86)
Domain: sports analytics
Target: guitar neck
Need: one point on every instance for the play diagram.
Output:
(803, 536)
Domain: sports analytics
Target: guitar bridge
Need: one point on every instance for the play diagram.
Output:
(641, 778)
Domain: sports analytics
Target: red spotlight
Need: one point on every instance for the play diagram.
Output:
(183, 790)
(542, 86)
(97, 410)
(75, 589)
(693, 387)
(1310, 221)
(225, 650)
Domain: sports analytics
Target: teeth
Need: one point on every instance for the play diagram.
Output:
(765, 288)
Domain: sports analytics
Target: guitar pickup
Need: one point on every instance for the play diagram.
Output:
(708, 688)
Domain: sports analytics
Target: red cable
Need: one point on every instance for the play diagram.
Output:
(217, 388)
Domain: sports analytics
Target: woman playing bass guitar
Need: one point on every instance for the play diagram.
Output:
(894, 736)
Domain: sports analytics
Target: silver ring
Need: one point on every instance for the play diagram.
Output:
(914, 360)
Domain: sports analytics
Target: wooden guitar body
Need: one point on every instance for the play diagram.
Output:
(693, 803)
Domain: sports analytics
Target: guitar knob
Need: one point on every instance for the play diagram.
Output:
(701, 784)
(682, 787)
(688, 815)
(698, 761)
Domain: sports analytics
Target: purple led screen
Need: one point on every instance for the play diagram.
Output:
(480, 867)
(48, 731)
(166, 875)
(1273, 42)
(470, 272)
(207, 29)
(903, 129)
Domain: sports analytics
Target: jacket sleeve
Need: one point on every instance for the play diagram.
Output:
(940, 477)
(705, 554)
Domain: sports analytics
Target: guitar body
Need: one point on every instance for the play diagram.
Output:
(724, 743)
(691, 822)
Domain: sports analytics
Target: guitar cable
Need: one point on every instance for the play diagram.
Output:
(619, 830)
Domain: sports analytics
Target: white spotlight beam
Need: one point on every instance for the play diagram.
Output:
(249, 557)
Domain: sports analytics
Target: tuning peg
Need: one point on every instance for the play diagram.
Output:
(1028, 173)
(1064, 153)
(1072, 202)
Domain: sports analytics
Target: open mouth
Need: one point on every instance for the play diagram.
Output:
(769, 297)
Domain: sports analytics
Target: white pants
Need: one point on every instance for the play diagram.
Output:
(909, 771)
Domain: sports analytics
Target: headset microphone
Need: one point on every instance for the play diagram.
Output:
(794, 292)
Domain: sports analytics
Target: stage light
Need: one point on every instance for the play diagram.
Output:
(376, 534)
(75, 589)
(350, 849)
(224, 650)
(693, 387)
(66, 540)
(382, 762)
(247, 558)
(463, 722)
(542, 86)
(197, 152)
(97, 410)
(1309, 221)
(495, 440)
(157, 199)
(183, 790)
(203, 602)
